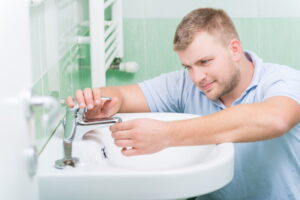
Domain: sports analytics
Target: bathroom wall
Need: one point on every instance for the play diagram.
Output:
(271, 28)
(60, 65)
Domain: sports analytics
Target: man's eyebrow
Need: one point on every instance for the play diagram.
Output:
(205, 58)
(200, 60)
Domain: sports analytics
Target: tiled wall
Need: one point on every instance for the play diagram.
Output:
(149, 42)
(269, 28)
(61, 67)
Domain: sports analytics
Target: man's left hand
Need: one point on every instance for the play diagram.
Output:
(141, 136)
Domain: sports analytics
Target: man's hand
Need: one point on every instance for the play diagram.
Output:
(141, 136)
(97, 108)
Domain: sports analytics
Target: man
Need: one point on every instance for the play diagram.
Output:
(241, 99)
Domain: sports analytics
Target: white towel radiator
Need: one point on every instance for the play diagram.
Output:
(106, 37)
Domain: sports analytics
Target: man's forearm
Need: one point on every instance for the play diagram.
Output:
(242, 123)
(130, 97)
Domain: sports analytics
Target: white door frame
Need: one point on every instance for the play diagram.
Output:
(16, 150)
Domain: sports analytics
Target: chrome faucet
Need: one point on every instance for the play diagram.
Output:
(75, 117)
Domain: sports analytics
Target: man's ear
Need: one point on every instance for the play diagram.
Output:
(235, 49)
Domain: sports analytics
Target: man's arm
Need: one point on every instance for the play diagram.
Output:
(242, 123)
(131, 98)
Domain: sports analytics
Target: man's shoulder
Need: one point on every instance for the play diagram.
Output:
(278, 71)
(279, 80)
(272, 70)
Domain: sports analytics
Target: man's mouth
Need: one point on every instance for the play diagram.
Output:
(207, 86)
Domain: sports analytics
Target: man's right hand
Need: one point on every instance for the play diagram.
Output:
(96, 108)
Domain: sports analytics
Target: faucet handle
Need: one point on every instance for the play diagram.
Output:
(99, 121)
(85, 125)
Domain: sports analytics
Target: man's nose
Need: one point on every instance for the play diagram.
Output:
(198, 75)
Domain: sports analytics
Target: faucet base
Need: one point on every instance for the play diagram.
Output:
(62, 163)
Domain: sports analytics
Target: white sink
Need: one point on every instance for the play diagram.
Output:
(174, 173)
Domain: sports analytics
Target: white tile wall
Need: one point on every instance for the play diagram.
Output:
(54, 25)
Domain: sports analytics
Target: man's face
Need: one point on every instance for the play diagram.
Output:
(210, 66)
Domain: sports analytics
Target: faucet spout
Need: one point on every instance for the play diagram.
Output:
(75, 118)
(70, 123)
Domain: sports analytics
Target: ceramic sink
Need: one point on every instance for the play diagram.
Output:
(104, 173)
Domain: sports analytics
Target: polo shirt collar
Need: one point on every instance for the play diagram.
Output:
(257, 62)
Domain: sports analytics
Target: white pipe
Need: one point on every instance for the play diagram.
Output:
(130, 67)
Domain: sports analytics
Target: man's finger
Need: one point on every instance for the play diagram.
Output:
(80, 99)
(70, 102)
(89, 99)
(130, 152)
(121, 135)
(124, 143)
(97, 96)
(108, 106)
(122, 126)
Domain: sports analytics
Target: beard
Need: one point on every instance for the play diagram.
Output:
(225, 87)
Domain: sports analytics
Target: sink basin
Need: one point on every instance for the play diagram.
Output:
(104, 173)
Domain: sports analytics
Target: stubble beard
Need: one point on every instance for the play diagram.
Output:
(226, 87)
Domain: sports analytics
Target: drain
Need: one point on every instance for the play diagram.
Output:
(103, 153)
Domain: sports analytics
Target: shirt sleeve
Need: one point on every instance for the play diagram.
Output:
(287, 83)
(164, 93)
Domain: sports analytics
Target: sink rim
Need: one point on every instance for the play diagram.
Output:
(225, 153)
(201, 178)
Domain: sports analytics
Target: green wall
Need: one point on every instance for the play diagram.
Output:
(149, 42)
(59, 64)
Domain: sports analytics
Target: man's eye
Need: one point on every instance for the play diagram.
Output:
(187, 67)
(205, 61)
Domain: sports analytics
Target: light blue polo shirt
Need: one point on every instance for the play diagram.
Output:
(264, 170)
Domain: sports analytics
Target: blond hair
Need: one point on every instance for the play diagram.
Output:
(212, 21)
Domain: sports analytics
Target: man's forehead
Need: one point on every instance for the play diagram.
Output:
(191, 57)
(198, 59)
(204, 45)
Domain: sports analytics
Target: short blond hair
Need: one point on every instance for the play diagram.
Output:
(210, 20)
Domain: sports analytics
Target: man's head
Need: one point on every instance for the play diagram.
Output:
(213, 21)
(209, 47)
